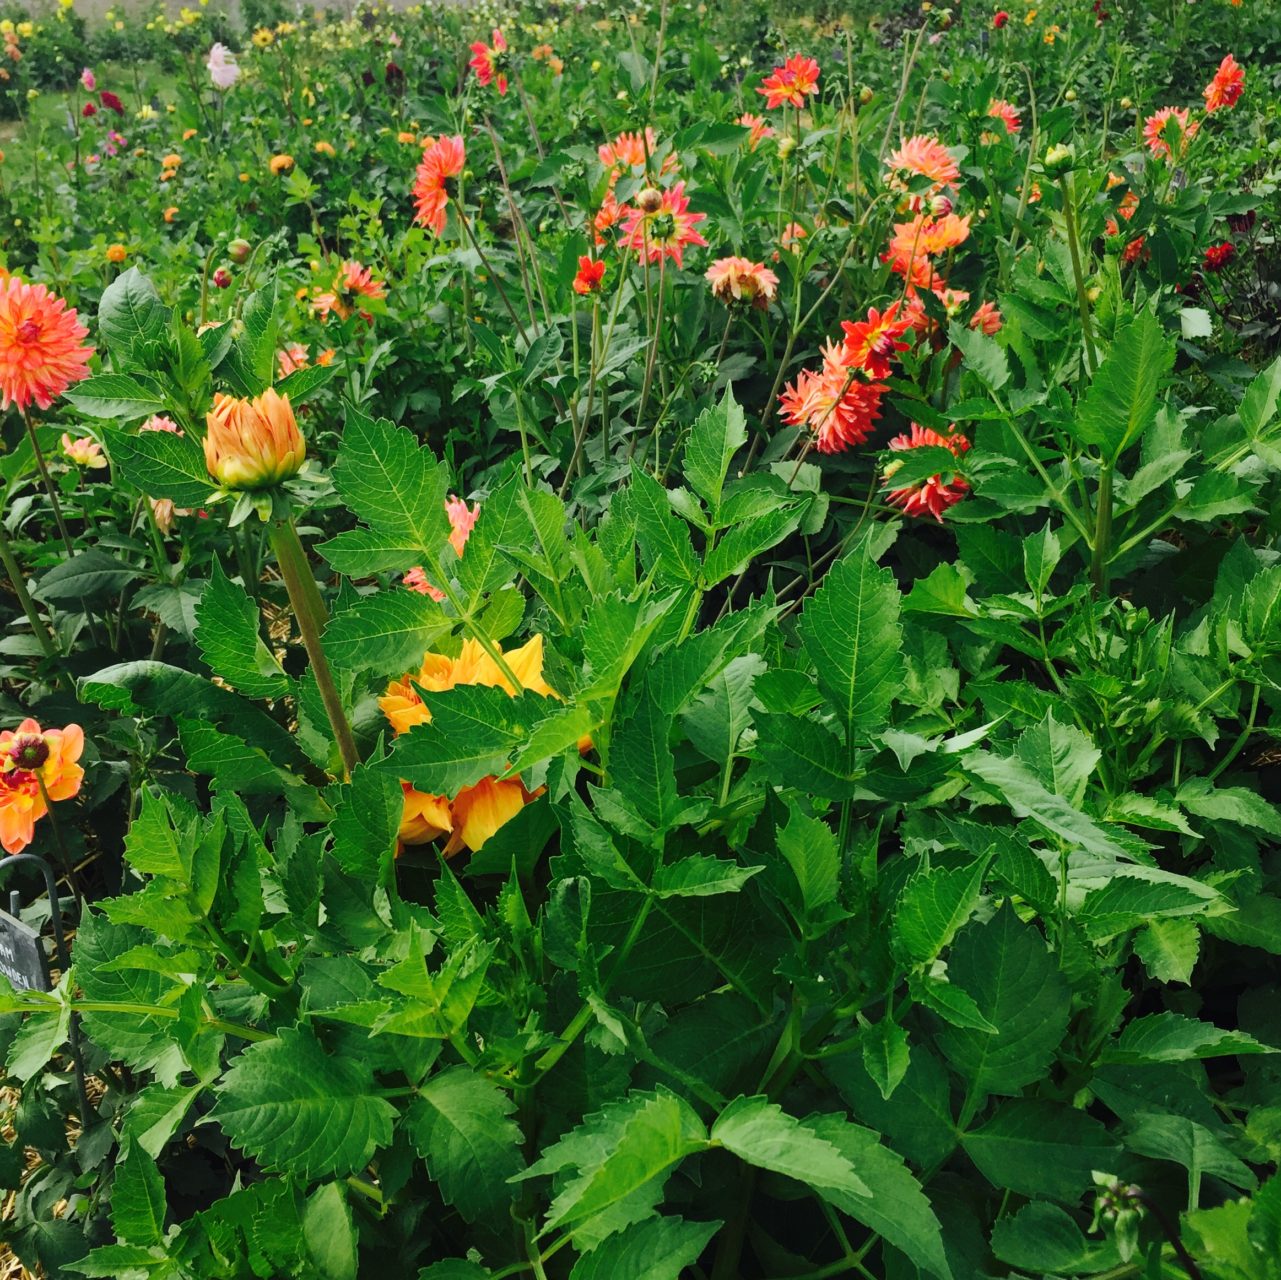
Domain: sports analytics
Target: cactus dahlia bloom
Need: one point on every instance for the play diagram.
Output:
(833, 402)
(792, 83)
(477, 811)
(872, 343)
(485, 60)
(927, 497)
(42, 350)
(742, 280)
(921, 157)
(664, 229)
(1226, 87)
(759, 126)
(36, 766)
(1007, 113)
(253, 444)
(462, 519)
(442, 160)
(1156, 126)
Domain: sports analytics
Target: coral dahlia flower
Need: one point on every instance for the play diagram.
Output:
(759, 126)
(589, 277)
(253, 444)
(742, 280)
(42, 349)
(1006, 112)
(291, 358)
(929, 497)
(1156, 126)
(921, 157)
(833, 402)
(441, 161)
(665, 227)
(36, 766)
(485, 61)
(871, 344)
(987, 319)
(792, 83)
(630, 150)
(83, 452)
(1226, 87)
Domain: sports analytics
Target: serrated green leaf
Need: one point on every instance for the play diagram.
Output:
(227, 633)
(1171, 1037)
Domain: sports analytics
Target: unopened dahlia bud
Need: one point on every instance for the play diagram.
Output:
(253, 444)
(239, 250)
(865, 95)
(222, 278)
(940, 206)
(1059, 159)
(650, 200)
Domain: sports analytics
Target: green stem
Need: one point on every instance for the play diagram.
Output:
(1074, 246)
(48, 483)
(159, 1011)
(14, 571)
(1102, 542)
(312, 616)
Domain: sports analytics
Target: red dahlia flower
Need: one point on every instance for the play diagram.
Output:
(791, 83)
(927, 497)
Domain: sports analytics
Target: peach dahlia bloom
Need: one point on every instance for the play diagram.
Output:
(921, 156)
(833, 402)
(36, 766)
(1226, 87)
(1157, 125)
(929, 497)
(742, 280)
(253, 444)
(42, 349)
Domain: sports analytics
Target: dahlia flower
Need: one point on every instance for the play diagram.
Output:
(1226, 87)
(253, 444)
(442, 159)
(36, 766)
(42, 351)
(743, 281)
(932, 496)
(792, 83)
(665, 227)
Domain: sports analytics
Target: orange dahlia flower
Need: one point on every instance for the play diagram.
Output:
(1226, 87)
(253, 444)
(479, 810)
(589, 277)
(872, 343)
(929, 497)
(1156, 126)
(792, 83)
(921, 157)
(279, 164)
(759, 126)
(37, 766)
(42, 349)
(485, 61)
(833, 402)
(1007, 113)
(442, 160)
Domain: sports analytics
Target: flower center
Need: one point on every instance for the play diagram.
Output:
(29, 751)
(28, 331)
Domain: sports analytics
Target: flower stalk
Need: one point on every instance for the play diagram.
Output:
(312, 616)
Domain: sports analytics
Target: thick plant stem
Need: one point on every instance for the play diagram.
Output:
(1074, 247)
(14, 571)
(43, 468)
(1102, 542)
(310, 611)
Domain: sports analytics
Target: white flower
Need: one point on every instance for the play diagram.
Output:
(223, 70)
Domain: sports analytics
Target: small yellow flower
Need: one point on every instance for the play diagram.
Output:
(26, 30)
(263, 37)
(115, 253)
(281, 163)
(188, 134)
(406, 137)
(244, 177)
(172, 161)
(324, 148)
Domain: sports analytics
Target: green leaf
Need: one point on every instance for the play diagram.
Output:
(1192, 1145)
(161, 465)
(115, 395)
(982, 356)
(155, 1114)
(131, 311)
(329, 1235)
(138, 1205)
(1128, 901)
(295, 1108)
(367, 821)
(1061, 756)
(896, 1207)
(933, 905)
(663, 536)
(700, 877)
(809, 846)
(303, 383)
(386, 633)
(623, 1157)
(1018, 786)
(804, 754)
(656, 1249)
(885, 1055)
(1255, 923)
(1037, 1148)
(716, 436)
(472, 733)
(851, 632)
(123, 1262)
(227, 633)
(1259, 404)
(741, 545)
(250, 364)
(1169, 949)
(642, 765)
(1120, 403)
(762, 1134)
(1007, 970)
(943, 592)
(1043, 1239)
(1230, 804)
(81, 577)
(1171, 1037)
(398, 488)
(36, 1041)
(460, 1125)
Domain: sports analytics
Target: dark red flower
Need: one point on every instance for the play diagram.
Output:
(1217, 256)
(88, 110)
(222, 278)
(393, 75)
(1000, 18)
(1241, 223)
(367, 78)
(109, 100)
